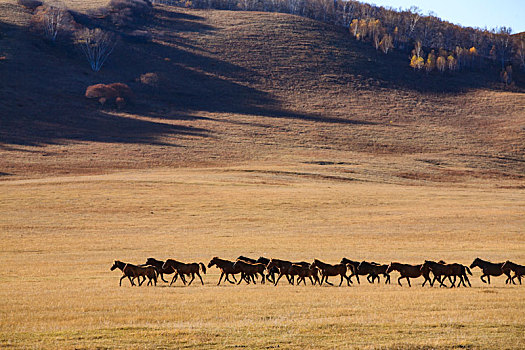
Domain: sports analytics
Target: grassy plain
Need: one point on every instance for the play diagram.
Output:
(274, 135)
(61, 234)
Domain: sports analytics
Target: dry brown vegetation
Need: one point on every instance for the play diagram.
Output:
(61, 235)
(269, 135)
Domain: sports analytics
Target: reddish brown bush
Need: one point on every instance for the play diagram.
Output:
(150, 79)
(117, 92)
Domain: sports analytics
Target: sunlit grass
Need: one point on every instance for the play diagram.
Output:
(60, 236)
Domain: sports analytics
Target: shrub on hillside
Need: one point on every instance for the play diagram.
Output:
(126, 12)
(119, 93)
(30, 4)
(53, 21)
(150, 79)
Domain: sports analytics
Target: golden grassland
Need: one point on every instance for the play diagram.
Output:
(61, 234)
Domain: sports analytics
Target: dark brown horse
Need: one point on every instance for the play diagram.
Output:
(353, 266)
(250, 270)
(410, 271)
(373, 270)
(226, 267)
(283, 267)
(519, 270)
(270, 276)
(302, 272)
(490, 269)
(441, 270)
(133, 271)
(328, 270)
(158, 265)
(185, 269)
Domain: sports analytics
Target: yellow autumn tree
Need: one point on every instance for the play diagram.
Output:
(417, 62)
(452, 63)
(354, 27)
(386, 43)
(430, 63)
(441, 64)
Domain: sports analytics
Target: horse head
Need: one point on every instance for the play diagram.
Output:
(151, 261)
(475, 263)
(116, 264)
(213, 261)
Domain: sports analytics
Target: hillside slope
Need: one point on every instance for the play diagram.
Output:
(252, 88)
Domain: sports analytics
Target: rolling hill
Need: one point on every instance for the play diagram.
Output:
(252, 88)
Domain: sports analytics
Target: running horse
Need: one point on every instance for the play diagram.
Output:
(185, 269)
(328, 270)
(226, 267)
(441, 270)
(158, 265)
(373, 270)
(410, 271)
(250, 270)
(133, 271)
(519, 270)
(490, 269)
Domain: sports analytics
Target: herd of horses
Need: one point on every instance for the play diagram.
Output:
(318, 272)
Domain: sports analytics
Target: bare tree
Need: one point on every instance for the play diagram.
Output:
(520, 52)
(53, 22)
(97, 46)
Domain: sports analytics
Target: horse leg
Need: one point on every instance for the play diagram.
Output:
(292, 280)
(408, 280)
(482, 279)
(488, 278)
(220, 279)
(228, 278)
(341, 282)
(442, 282)
(278, 278)
(468, 281)
(198, 274)
(120, 282)
(144, 280)
(192, 278)
(326, 280)
(387, 279)
(357, 277)
(162, 277)
(174, 279)
(311, 280)
(399, 281)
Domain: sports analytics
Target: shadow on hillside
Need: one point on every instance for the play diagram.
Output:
(41, 91)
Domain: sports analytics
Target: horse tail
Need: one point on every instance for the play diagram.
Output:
(468, 270)
(155, 273)
(203, 267)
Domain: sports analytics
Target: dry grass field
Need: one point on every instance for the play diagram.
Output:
(274, 136)
(60, 236)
